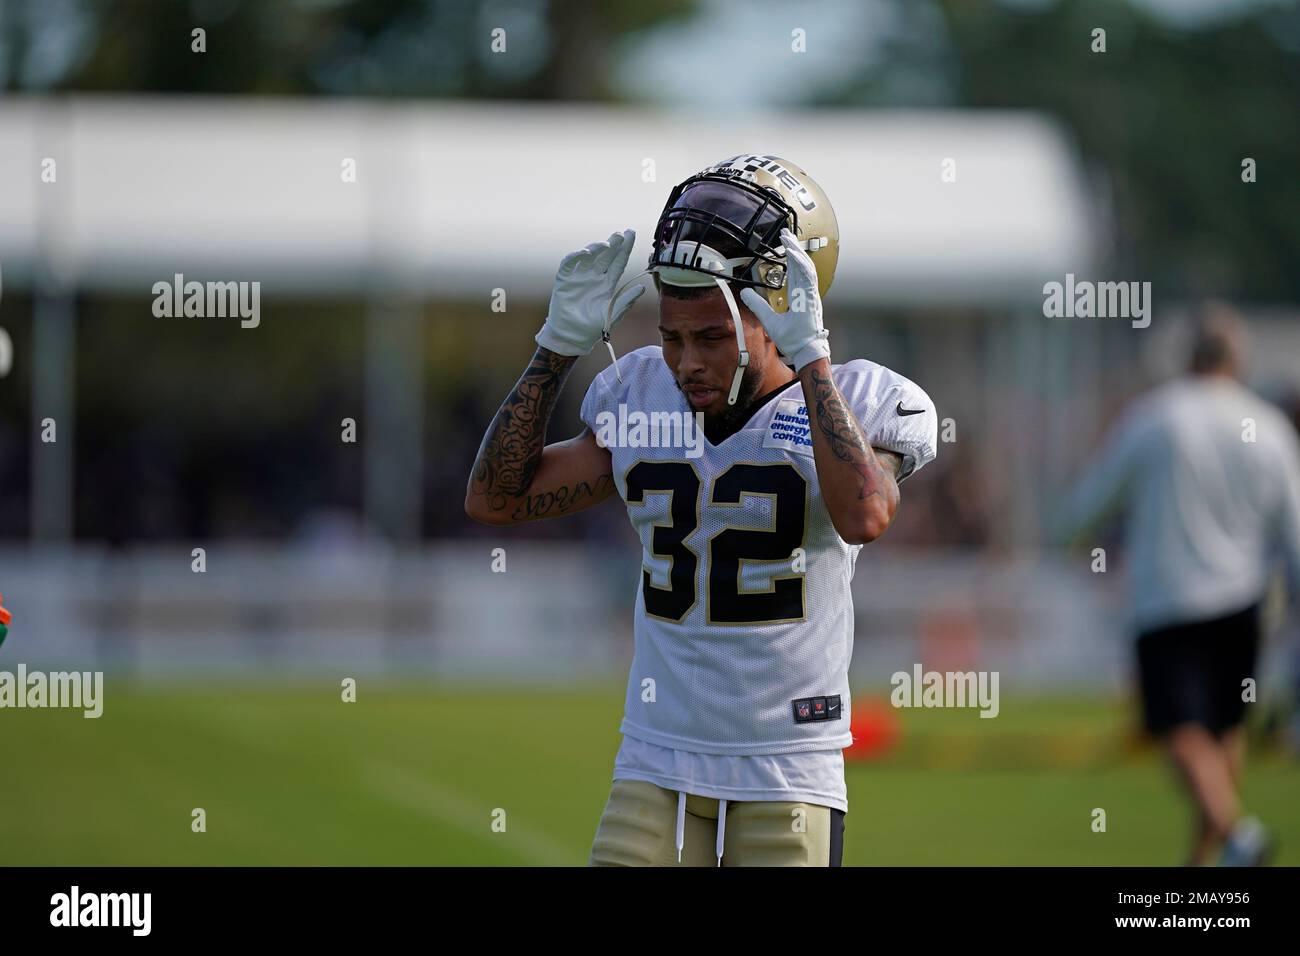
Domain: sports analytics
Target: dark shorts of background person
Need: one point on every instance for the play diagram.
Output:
(1192, 672)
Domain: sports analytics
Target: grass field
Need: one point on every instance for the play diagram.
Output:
(411, 775)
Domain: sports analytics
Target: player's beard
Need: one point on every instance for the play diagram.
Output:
(733, 416)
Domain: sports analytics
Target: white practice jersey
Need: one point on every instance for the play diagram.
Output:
(744, 618)
(813, 776)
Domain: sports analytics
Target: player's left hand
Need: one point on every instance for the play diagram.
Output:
(584, 284)
(797, 332)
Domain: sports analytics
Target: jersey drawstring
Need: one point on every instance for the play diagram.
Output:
(722, 827)
(681, 822)
(681, 825)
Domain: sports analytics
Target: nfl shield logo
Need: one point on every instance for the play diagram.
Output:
(804, 709)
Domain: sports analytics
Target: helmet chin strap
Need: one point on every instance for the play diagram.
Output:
(609, 315)
(740, 342)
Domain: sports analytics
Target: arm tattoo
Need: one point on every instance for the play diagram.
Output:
(562, 500)
(512, 448)
(844, 435)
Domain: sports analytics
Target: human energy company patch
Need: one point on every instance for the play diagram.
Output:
(788, 428)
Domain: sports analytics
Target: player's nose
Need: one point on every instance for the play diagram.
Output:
(691, 362)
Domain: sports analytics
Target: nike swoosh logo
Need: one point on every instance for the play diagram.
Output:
(909, 411)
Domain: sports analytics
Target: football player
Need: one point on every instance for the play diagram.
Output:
(737, 707)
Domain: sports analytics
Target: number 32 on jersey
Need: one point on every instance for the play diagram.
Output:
(726, 550)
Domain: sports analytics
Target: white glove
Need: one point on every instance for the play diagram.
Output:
(583, 286)
(797, 332)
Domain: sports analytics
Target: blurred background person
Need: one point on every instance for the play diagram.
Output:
(1209, 474)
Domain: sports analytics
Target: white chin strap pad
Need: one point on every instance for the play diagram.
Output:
(740, 342)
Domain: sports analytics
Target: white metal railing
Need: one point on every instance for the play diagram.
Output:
(561, 610)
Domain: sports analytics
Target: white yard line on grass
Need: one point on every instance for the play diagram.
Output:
(455, 809)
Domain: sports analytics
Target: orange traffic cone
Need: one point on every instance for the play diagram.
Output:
(875, 729)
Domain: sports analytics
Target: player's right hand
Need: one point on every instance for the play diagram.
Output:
(583, 286)
(798, 331)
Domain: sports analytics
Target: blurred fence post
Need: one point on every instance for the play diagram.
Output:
(54, 336)
(393, 428)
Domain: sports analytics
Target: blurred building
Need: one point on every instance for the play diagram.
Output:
(381, 236)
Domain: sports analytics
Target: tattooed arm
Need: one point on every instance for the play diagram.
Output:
(516, 476)
(859, 483)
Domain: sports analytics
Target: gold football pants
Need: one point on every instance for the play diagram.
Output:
(642, 825)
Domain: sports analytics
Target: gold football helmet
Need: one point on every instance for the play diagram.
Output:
(723, 226)
(725, 222)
